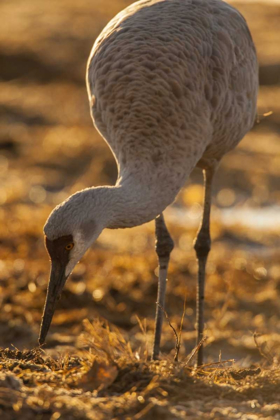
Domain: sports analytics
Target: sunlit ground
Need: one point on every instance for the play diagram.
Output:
(48, 150)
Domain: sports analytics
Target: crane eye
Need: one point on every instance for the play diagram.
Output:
(69, 246)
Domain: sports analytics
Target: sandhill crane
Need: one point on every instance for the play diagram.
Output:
(172, 85)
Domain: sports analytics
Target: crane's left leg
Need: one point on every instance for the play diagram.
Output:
(164, 246)
(202, 246)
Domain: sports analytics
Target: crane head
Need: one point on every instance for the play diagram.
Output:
(69, 232)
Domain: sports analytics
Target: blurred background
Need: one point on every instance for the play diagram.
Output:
(49, 150)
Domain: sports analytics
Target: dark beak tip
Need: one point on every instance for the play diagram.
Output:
(41, 341)
(56, 283)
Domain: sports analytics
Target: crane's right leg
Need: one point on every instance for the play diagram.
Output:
(164, 246)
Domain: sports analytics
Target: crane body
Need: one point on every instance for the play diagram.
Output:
(172, 85)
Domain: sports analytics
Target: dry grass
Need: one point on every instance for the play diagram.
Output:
(107, 380)
(96, 364)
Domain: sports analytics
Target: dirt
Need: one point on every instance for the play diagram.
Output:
(96, 363)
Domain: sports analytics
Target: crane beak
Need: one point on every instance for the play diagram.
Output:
(56, 283)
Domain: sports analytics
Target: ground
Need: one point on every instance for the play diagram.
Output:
(96, 363)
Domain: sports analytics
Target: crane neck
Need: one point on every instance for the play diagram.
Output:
(135, 203)
(132, 201)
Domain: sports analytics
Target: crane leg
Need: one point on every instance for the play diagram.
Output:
(202, 246)
(164, 246)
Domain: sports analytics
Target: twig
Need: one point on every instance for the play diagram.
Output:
(267, 355)
(176, 357)
(195, 350)
(222, 362)
(144, 332)
(178, 338)
(261, 117)
(143, 412)
(178, 344)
